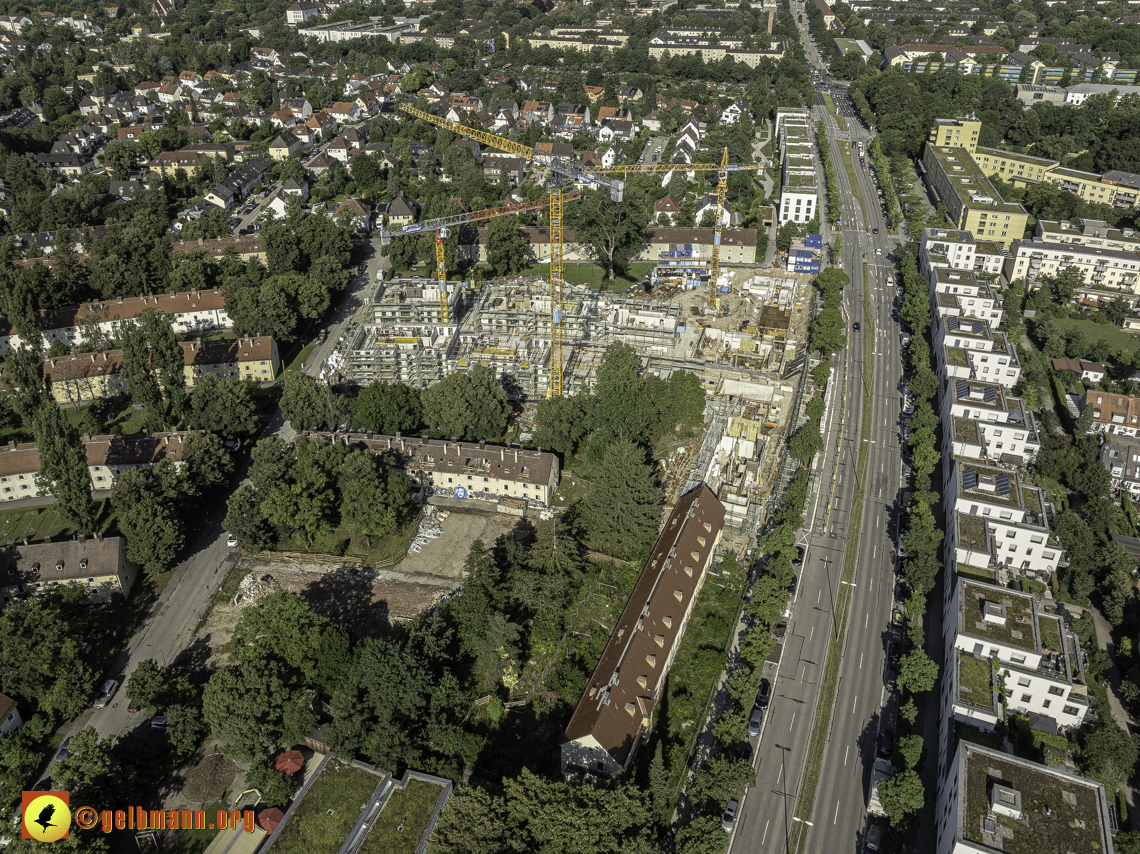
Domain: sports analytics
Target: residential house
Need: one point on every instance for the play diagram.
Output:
(666, 209)
(285, 146)
(296, 187)
(10, 719)
(402, 211)
(614, 715)
(1092, 372)
(359, 214)
(98, 564)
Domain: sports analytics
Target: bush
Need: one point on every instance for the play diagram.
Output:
(1032, 585)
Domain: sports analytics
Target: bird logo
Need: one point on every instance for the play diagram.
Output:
(47, 816)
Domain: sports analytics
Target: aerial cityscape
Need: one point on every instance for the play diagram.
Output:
(499, 426)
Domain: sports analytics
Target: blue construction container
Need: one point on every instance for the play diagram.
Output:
(815, 241)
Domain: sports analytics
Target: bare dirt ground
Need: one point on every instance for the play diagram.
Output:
(444, 557)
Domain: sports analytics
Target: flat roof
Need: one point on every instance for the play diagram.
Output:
(1059, 812)
(1015, 155)
(1019, 627)
(970, 183)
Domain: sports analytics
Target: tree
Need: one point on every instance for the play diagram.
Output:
(223, 405)
(373, 500)
(909, 750)
(63, 467)
(147, 685)
(1066, 283)
(276, 789)
(472, 406)
(136, 368)
(151, 524)
(917, 672)
(805, 443)
(508, 251)
(827, 332)
(306, 503)
(282, 625)
(310, 405)
(610, 229)
(623, 410)
(1109, 754)
(623, 510)
(902, 797)
(387, 408)
(206, 462)
(720, 778)
(184, 728)
(245, 520)
(335, 664)
(245, 706)
(561, 422)
(702, 835)
(118, 158)
(88, 764)
(659, 786)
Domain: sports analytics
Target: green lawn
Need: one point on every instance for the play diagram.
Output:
(1116, 337)
(35, 523)
(340, 789)
(411, 807)
(194, 841)
(339, 542)
(294, 366)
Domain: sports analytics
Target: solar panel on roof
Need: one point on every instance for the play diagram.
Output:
(978, 327)
(963, 388)
(970, 479)
(1002, 484)
(990, 394)
(952, 324)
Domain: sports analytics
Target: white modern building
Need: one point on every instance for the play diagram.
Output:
(959, 293)
(969, 348)
(799, 187)
(990, 802)
(1105, 269)
(985, 422)
(958, 250)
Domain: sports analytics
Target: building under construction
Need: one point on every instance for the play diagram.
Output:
(505, 327)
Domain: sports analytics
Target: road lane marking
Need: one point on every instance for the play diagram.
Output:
(845, 752)
(793, 723)
(834, 820)
(781, 774)
(765, 836)
(860, 667)
(866, 618)
(854, 703)
(820, 594)
(803, 673)
(812, 635)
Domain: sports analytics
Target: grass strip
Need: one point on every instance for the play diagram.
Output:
(829, 691)
(854, 179)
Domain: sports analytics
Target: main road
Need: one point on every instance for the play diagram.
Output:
(863, 705)
(765, 823)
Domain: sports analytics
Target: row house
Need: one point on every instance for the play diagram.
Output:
(1122, 460)
(959, 293)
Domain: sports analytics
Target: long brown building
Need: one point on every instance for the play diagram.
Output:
(616, 711)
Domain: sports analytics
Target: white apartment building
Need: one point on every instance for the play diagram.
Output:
(987, 423)
(799, 190)
(957, 250)
(1087, 232)
(996, 522)
(190, 312)
(1032, 653)
(967, 348)
(1106, 269)
(959, 293)
(990, 801)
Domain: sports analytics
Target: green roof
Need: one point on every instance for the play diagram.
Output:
(1059, 812)
(1018, 629)
(975, 680)
(966, 430)
(969, 182)
(971, 531)
(1016, 155)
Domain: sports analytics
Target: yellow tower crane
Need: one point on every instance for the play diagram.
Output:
(559, 169)
(442, 226)
(721, 189)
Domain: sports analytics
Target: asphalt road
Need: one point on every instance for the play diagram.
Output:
(765, 823)
(864, 705)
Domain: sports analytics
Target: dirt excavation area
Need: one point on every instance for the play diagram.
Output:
(369, 601)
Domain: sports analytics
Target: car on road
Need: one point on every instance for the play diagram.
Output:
(728, 820)
(878, 251)
(765, 694)
(886, 742)
(894, 653)
(746, 750)
(874, 837)
(106, 692)
(231, 541)
(855, 326)
(755, 722)
(874, 231)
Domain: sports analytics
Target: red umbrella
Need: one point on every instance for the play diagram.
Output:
(270, 818)
(290, 762)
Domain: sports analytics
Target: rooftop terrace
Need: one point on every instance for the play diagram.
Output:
(1003, 616)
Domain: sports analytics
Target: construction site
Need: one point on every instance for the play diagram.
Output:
(748, 350)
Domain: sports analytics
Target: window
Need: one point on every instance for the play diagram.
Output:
(1070, 710)
(1023, 681)
(1046, 704)
(1056, 691)
(1025, 698)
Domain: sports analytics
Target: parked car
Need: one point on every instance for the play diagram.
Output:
(886, 742)
(728, 820)
(746, 750)
(132, 706)
(765, 694)
(231, 541)
(799, 558)
(106, 692)
(755, 722)
(158, 722)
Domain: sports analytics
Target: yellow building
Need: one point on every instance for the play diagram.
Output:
(956, 133)
(98, 564)
(974, 203)
(94, 376)
(285, 146)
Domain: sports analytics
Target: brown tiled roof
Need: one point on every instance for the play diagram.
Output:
(226, 351)
(38, 562)
(7, 704)
(415, 454)
(19, 459)
(125, 307)
(612, 708)
(133, 450)
(250, 244)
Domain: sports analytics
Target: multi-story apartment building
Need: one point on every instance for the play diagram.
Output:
(1104, 269)
(959, 293)
(1094, 233)
(96, 563)
(997, 522)
(799, 193)
(973, 202)
(988, 423)
(968, 348)
(1004, 641)
(957, 250)
(991, 801)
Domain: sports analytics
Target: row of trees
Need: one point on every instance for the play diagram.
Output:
(834, 200)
